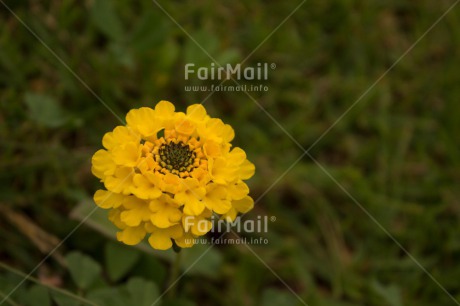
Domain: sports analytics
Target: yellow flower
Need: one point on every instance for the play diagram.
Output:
(166, 173)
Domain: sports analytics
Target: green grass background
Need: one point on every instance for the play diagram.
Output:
(396, 153)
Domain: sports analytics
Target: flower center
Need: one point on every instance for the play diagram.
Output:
(176, 157)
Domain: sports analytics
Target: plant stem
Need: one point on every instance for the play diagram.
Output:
(174, 274)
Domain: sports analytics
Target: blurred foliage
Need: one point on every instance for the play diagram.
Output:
(397, 152)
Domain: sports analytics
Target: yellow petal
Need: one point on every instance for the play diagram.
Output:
(174, 214)
(102, 164)
(188, 222)
(160, 241)
(221, 172)
(131, 217)
(236, 156)
(175, 231)
(127, 154)
(164, 215)
(193, 185)
(193, 206)
(121, 182)
(107, 199)
(186, 241)
(244, 205)
(222, 206)
(156, 205)
(228, 133)
(201, 175)
(171, 183)
(211, 130)
(161, 219)
(212, 149)
(216, 199)
(246, 170)
(121, 134)
(196, 112)
(184, 126)
(201, 227)
(230, 216)
(144, 189)
(137, 210)
(237, 190)
(144, 121)
(114, 217)
(131, 235)
(164, 109)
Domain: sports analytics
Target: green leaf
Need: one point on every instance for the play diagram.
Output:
(151, 268)
(8, 283)
(119, 259)
(45, 110)
(104, 16)
(83, 269)
(391, 293)
(38, 295)
(149, 33)
(107, 297)
(64, 300)
(275, 297)
(202, 260)
(178, 302)
(142, 292)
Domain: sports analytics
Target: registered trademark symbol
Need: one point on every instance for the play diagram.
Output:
(273, 66)
(273, 218)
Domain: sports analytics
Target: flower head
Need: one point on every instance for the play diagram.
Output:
(165, 167)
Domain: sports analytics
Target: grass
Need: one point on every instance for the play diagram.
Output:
(394, 156)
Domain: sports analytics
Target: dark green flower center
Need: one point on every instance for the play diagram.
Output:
(176, 156)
